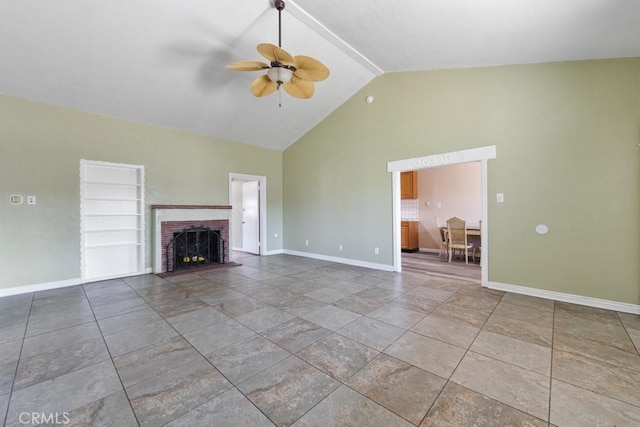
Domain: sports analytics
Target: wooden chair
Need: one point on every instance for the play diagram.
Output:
(443, 236)
(457, 230)
(477, 246)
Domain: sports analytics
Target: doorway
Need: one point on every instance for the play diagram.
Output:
(440, 193)
(247, 194)
(481, 154)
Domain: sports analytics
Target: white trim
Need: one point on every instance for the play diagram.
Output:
(453, 158)
(574, 299)
(396, 232)
(347, 261)
(481, 154)
(275, 252)
(17, 290)
(484, 231)
(262, 182)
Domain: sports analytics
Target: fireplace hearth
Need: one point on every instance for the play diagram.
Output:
(195, 247)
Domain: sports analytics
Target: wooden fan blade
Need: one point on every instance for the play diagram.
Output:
(247, 66)
(263, 86)
(299, 88)
(276, 54)
(308, 68)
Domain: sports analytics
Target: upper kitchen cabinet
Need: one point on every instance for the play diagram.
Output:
(409, 185)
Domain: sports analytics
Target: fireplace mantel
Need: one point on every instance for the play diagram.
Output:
(188, 214)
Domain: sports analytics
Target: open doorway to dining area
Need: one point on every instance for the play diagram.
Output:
(479, 155)
(431, 197)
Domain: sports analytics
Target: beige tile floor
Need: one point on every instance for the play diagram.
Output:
(292, 341)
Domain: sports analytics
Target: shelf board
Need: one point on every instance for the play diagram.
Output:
(118, 184)
(108, 245)
(103, 199)
(101, 230)
(110, 214)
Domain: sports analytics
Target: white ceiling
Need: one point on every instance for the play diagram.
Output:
(162, 61)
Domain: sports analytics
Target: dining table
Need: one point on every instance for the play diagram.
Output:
(472, 230)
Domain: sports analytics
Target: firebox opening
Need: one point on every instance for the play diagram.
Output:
(195, 247)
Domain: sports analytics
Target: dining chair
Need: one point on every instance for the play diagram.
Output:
(457, 235)
(478, 245)
(443, 236)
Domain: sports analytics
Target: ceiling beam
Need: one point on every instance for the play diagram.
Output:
(331, 37)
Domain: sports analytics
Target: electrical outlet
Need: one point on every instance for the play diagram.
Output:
(306, 243)
(376, 251)
(499, 197)
(340, 247)
(15, 199)
(31, 200)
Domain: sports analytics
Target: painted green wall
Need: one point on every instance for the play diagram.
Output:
(40, 151)
(567, 138)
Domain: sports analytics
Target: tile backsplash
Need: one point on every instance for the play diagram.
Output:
(409, 209)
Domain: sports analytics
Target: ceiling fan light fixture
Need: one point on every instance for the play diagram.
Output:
(279, 75)
(296, 74)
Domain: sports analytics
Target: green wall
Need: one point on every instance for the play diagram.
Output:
(40, 151)
(567, 138)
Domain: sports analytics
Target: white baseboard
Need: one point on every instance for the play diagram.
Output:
(17, 290)
(275, 252)
(559, 296)
(348, 261)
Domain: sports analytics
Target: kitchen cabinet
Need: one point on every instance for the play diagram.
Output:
(409, 185)
(409, 236)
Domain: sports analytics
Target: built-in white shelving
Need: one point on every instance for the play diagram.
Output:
(112, 220)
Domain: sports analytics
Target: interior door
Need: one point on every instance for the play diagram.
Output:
(251, 217)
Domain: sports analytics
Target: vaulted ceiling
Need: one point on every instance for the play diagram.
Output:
(163, 61)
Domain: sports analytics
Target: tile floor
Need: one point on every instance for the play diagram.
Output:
(292, 341)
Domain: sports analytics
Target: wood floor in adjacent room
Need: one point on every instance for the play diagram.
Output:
(432, 263)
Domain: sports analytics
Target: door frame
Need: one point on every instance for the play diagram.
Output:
(482, 154)
(250, 216)
(262, 206)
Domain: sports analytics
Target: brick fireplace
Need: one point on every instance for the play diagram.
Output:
(171, 219)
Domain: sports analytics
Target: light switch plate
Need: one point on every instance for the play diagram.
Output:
(31, 200)
(500, 197)
(15, 199)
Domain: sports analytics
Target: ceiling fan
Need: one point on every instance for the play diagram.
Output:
(295, 74)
